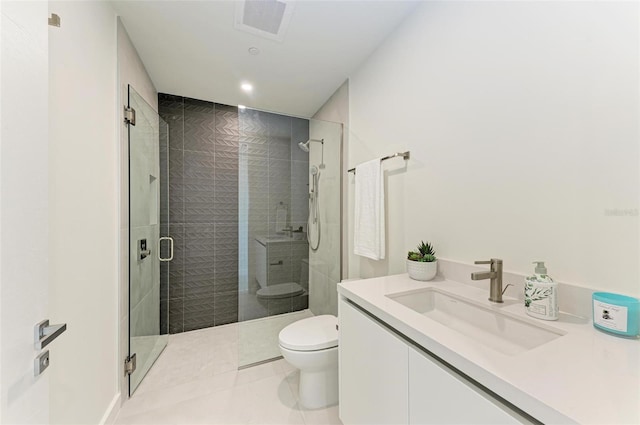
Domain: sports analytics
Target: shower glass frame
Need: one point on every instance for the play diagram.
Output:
(258, 338)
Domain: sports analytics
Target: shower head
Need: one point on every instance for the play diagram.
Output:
(305, 145)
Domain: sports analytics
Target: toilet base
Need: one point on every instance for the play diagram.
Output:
(313, 350)
(319, 389)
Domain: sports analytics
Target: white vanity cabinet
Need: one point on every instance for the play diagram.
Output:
(373, 371)
(384, 379)
(440, 395)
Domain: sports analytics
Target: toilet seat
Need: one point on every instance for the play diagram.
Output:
(281, 290)
(311, 334)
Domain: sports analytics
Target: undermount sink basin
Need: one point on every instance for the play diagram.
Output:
(499, 331)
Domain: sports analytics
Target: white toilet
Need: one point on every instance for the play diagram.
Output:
(311, 345)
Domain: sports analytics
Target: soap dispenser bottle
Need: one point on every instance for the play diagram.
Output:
(541, 294)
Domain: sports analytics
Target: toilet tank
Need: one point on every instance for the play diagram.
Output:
(261, 263)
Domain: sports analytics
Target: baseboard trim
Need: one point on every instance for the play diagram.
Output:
(112, 411)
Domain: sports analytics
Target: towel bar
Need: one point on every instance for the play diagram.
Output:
(405, 155)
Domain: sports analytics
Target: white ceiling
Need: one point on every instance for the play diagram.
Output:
(191, 48)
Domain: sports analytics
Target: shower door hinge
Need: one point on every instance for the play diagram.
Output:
(130, 364)
(54, 20)
(129, 115)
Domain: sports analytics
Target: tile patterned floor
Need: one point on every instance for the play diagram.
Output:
(196, 381)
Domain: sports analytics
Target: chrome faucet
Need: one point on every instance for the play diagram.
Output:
(495, 274)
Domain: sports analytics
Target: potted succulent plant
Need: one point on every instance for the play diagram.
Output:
(422, 264)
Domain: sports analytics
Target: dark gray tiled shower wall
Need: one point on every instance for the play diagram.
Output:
(202, 213)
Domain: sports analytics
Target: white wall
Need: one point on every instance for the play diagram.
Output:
(522, 122)
(83, 185)
(131, 71)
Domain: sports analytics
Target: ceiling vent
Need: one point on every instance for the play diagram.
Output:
(265, 18)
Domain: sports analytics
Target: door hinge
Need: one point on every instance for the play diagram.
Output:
(130, 364)
(54, 20)
(129, 115)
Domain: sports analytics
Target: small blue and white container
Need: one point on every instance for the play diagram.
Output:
(617, 314)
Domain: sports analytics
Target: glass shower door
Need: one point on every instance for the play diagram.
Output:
(150, 248)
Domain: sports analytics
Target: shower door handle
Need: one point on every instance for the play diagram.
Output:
(166, 238)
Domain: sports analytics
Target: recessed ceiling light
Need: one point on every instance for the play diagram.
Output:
(242, 107)
(246, 87)
(254, 51)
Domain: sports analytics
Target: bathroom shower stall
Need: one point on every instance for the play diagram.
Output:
(232, 195)
(236, 197)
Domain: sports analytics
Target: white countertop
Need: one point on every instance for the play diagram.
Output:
(585, 376)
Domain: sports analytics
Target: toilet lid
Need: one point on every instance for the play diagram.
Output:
(313, 333)
(281, 290)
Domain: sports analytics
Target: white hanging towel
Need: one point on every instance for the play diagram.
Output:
(369, 227)
(281, 218)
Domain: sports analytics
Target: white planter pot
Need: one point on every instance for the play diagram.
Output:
(422, 271)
